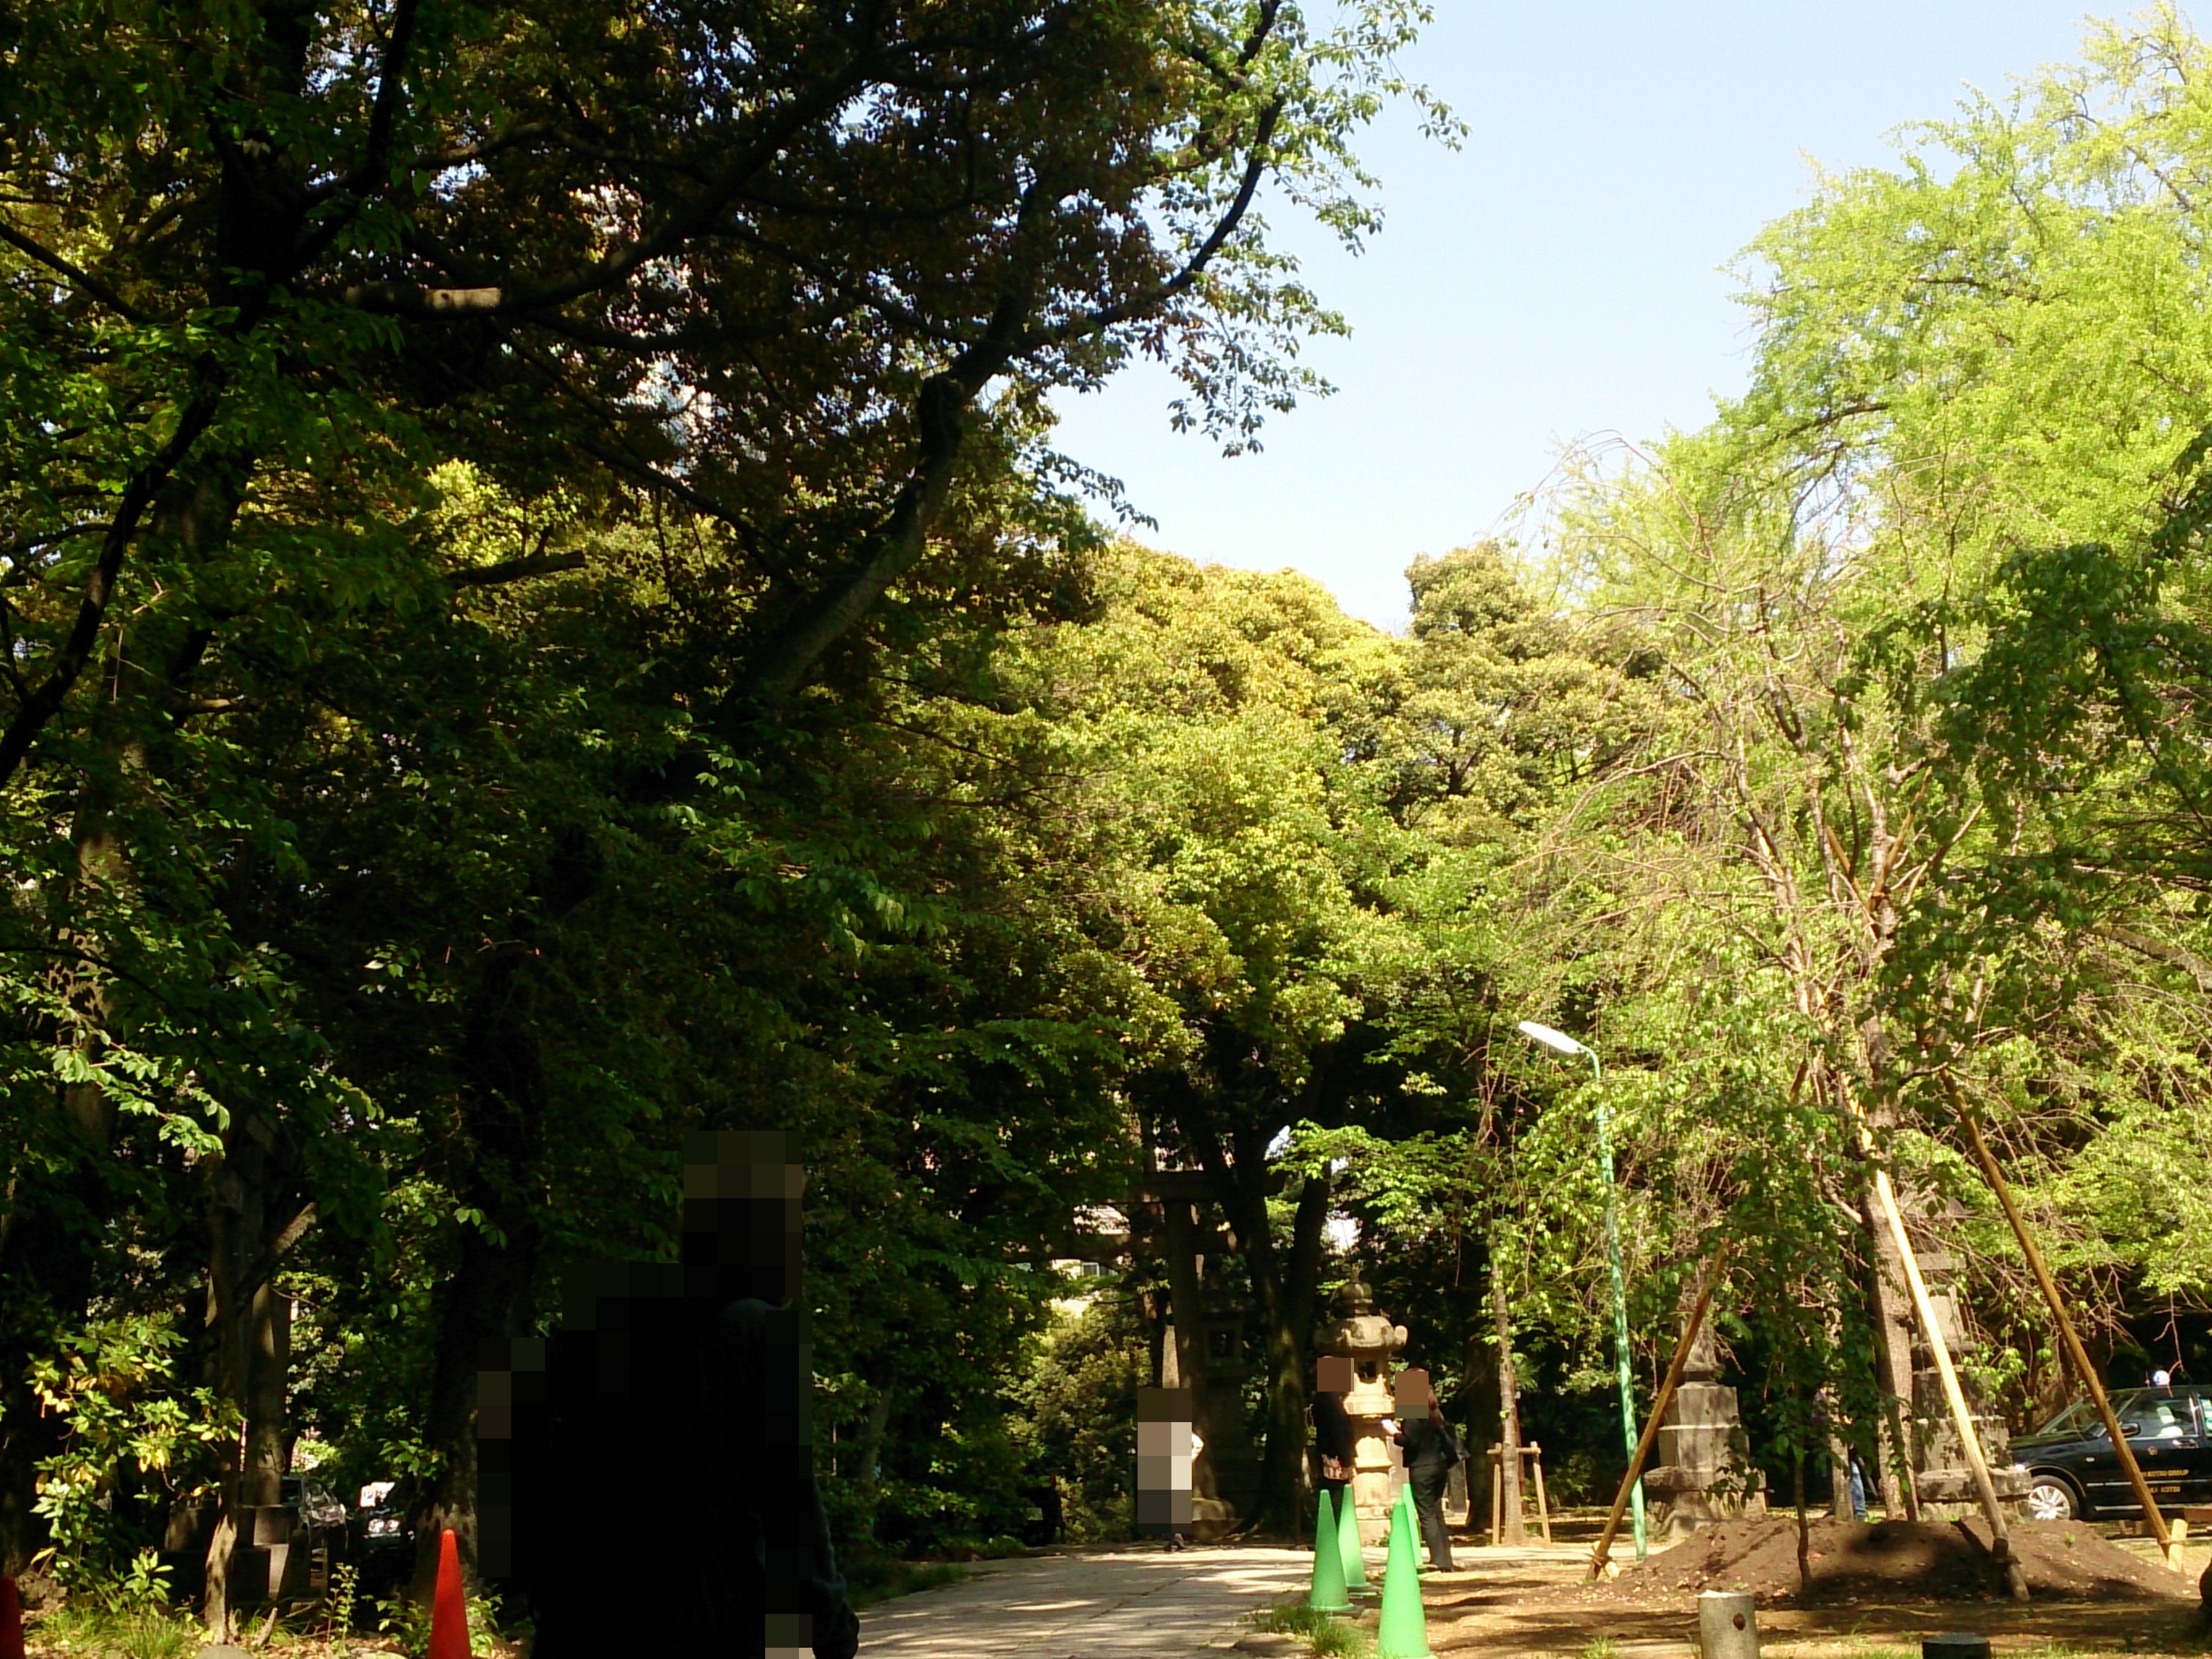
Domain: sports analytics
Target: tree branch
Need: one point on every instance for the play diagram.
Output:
(258, 1271)
(84, 278)
(893, 548)
(1137, 304)
(693, 218)
(374, 168)
(515, 570)
(43, 704)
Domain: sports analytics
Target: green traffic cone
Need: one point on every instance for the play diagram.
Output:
(1404, 1633)
(1347, 1538)
(1327, 1593)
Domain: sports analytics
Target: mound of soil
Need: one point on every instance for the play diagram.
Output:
(1891, 1561)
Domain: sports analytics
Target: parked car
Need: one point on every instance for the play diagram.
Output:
(382, 1544)
(2073, 1471)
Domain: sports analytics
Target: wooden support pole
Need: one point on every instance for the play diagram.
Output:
(1497, 1495)
(1674, 1368)
(1543, 1505)
(2071, 1341)
(1962, 1419)
(1532, 1454)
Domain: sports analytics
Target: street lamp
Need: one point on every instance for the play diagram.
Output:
(1560, 1043)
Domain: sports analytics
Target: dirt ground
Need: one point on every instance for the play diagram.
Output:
(1892, 1560)
(1877, 1592)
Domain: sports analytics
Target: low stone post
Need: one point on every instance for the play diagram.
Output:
(1728, 1626)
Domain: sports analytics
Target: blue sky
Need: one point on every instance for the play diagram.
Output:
(1559, 275)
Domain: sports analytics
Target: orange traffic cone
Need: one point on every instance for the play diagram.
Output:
(11, 1621)
(449, 1608)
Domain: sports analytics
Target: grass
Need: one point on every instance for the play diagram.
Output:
(146, 1633)
(1325, 1633)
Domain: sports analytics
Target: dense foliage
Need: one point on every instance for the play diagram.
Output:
(540, 612)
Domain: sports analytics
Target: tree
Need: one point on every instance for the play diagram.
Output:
(746, 317)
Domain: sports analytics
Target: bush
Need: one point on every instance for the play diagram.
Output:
(128, 1428)
(1077, 1418)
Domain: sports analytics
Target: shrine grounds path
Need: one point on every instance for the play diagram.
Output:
(1143, 1602)
(1140, 1601)
(1130, 1603)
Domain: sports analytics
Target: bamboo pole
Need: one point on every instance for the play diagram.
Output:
(2072, 1342)
(1962, 1419)
(1604, 1550)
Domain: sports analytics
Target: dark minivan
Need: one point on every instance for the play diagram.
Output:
(2073, 1470)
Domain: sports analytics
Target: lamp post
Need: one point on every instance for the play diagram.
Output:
(1560, 1043)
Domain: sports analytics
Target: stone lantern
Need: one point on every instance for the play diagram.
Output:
(1367, 1338)
(1702, 1474)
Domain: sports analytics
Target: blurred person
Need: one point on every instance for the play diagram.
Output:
(647, 1471)
(1431, 1452)
(1336, 1447)
(1168, 1444)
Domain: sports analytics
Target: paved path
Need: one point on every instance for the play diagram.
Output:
(1147, 1603)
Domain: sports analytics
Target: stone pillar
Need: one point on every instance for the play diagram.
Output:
(1702, 1474)
(1367, 1338)
(1940, 1478)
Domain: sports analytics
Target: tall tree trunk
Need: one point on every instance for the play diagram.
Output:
(236, 1206)
(494, 1163)
(1285, 1285)
(1508, 1411)
(1287, 1298)
(487, 1301)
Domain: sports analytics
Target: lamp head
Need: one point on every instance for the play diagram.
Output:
(1558, 1042)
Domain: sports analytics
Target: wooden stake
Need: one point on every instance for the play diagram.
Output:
(1604, 1550)
(1962, 1419)
(1496, 1496)
(2074, 1352)
(1543, 1506)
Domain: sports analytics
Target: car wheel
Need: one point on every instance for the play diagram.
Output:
(2050, 1499)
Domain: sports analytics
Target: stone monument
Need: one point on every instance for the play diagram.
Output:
(1367, 1338)
(1703, 1473)
(1941, 1479)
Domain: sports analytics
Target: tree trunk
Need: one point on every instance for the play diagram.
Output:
(236, 1201)
(1285, 1288)
(1509, 1412)
(494, 1161)
(268, 1316)
(487, 1301)
(867, 1484)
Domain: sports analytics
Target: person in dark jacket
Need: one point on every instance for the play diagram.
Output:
(1335, 1445)
(647, 1472)
(1431, 1452)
